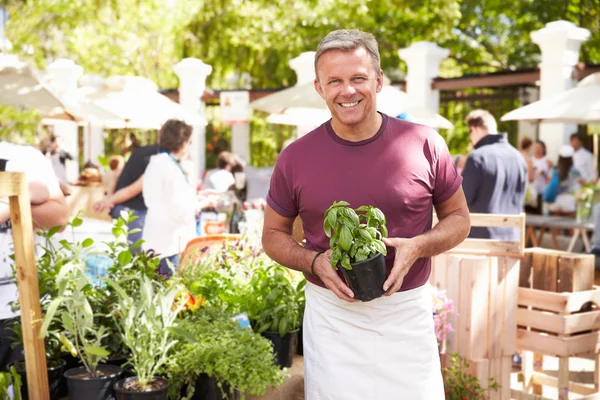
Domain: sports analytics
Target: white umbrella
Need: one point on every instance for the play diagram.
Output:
(302, 98)
(579, 105)
(21, 86)
(136, 100)
(300, 116)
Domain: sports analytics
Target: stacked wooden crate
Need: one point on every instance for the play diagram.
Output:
(482, 277)
(557, 316)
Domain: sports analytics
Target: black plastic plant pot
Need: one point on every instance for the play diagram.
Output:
(82, 386)
(283, 347)
(159, 393)
(299, 345)
(207, 388)
(55, 373)
(366, 278)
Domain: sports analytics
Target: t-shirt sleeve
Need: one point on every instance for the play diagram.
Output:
(447, 180)
(280, 197)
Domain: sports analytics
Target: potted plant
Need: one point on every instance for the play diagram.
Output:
(216, 360)
(273, 306)
(80, 332)
(355, 240)
(146, 318)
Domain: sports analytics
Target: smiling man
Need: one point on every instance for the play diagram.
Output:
(386, 348)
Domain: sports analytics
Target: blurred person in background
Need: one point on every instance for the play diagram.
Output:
(169, 196)
(583, 160)
(115, 165)
(559, 194)
(221, 179)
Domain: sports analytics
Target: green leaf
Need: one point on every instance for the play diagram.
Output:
(50, 316)
(365, 234)
(283, 326)
(346, 262)
(182, 333)
(384, 231)
(345, 238)
(96, 350)
(76, 222)
(54, 230)
(125, 257)
(67, 321)
(87, 243)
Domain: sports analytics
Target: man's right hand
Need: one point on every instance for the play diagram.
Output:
(103, 205)
(331, 279)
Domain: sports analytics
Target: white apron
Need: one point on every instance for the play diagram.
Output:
(384, 349)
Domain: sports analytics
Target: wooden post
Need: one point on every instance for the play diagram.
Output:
(14, 185)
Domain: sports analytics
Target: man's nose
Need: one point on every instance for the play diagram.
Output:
(348, 89)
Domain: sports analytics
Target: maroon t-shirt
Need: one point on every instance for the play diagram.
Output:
(404, 169)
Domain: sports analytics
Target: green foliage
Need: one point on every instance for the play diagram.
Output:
(217, 347)
(19, 125)
(461, 385)
(79, 331)
(145, 320)
(6, 380)
(273, 300)
(354, 234)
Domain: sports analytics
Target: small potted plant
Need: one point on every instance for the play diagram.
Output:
(355, 240)
(273, 307)
(81, 334)
(146, 318)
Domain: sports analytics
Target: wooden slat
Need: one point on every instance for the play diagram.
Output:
(559, 324)
(453, 292)
(495, 220)
(27, 281)
(575, 387)
(575, 272)
(496, 308)
(558, 302)
(511, 287)
(12, 184)
(487, 247)
(525, 274)
(558, 346)
(545, 271)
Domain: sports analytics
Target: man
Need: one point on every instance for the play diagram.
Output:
(48, 209)
(128, 192)
(384, 349)
(583, 160)
(495, 176)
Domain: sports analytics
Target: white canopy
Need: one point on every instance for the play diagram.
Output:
(579, 105)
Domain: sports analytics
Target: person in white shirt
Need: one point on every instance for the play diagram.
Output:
(583, 160)
(222, 178)
(48, 209)
(170, 198)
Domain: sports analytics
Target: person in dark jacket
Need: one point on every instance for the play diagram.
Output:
(494, 177)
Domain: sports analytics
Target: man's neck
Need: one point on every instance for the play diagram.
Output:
(362, 131)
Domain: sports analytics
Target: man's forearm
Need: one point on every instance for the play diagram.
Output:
(283, 249)
(447, 234)
(52, 213)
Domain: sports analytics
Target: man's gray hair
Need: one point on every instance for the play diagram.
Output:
(349, 39)
(483, 119)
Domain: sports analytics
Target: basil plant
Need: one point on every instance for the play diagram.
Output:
(354, 234)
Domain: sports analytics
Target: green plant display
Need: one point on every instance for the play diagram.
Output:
(6, 380)
(146, 320)
(79, 331)
(354, 234)
(215, 346)
(461, 385)
(273, 300)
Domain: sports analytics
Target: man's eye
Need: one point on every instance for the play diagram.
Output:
(360, 79)
(334, 81)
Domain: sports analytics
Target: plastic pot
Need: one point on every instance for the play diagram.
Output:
(283, 347)
(300, 345)
(83, 387)
(124, 394)
(208, 389)
(55, 373)
(366, 278)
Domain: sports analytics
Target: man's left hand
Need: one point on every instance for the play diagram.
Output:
(407, 252)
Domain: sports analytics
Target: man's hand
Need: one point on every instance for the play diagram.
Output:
(38, 193)
(407, 252)
(103, 205)
(331, 279)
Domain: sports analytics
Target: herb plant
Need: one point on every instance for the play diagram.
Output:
(354, 234)
(216, 346)
(146, 320)
(461, 385)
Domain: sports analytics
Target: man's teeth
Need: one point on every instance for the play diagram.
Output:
(349, 104)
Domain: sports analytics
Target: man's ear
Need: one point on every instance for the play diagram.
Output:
(379, 81)
(319, 89)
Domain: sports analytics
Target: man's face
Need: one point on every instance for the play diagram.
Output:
(538, 150)
(349, 83)
(575, 144)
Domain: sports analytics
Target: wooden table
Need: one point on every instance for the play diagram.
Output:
(555, 224)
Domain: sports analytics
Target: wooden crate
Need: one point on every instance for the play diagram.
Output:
(557, 317)
(481, 276)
